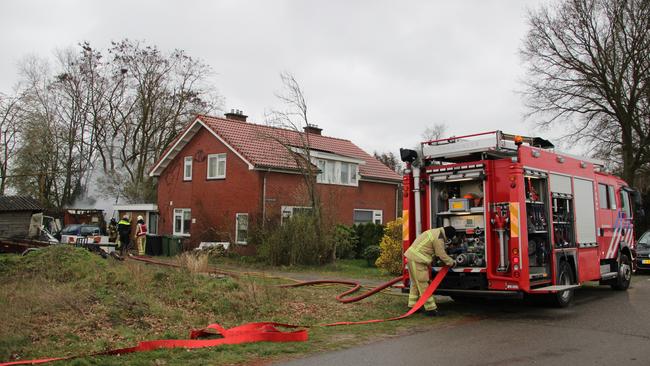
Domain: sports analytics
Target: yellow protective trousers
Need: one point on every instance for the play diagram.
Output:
(141, 241)
(419, 275)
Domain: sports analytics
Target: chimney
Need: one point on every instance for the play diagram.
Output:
(313, 129)
(237, 115)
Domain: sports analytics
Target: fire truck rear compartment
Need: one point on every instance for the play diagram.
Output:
(458, 202)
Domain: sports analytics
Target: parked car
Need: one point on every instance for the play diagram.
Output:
(643, 252)
(70, 233)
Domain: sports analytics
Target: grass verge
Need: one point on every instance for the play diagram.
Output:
(342, 268)
(64, 301)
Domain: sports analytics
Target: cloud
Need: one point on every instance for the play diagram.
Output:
(375, 72)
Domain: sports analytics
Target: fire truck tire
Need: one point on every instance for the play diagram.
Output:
(624, 275)
(565, 277)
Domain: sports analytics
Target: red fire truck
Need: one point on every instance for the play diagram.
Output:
(529, 220)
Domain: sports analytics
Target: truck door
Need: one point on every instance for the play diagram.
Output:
(607, 230)
(588, 248)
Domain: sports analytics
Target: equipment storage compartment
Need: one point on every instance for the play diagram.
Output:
(459, 203)
(537, 222)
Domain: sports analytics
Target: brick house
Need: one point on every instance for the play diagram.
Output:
(220, 174)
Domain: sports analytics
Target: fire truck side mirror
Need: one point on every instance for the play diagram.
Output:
(408, 155)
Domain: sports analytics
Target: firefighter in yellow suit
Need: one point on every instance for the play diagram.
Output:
(419, 257)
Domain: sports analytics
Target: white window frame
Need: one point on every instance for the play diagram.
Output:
(187, 162)
(377, 215)
(290, 210)
(219, 158)
(237, 240)
(327, 175)
(181, 211)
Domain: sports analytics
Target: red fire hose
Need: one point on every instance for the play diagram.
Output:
(257, 332)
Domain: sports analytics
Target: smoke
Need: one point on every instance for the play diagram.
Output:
(102, 194)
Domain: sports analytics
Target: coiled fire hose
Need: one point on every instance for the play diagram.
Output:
(256, 332)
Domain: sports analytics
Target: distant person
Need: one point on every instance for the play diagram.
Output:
(124, 231)
(141, 235)
(419, 255)
(112, 231)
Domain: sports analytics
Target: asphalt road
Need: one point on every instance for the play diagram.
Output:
(601, 327)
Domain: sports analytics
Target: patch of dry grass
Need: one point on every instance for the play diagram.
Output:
(193, 262)
(107, 304)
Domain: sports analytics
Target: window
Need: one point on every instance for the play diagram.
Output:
(289, 211)
(625, 203)
(612, 197)
(187, 168)
(216, 166)
(606, 196)
(241, 227)
(182, 221)
(337, 172)
(365, 216)
(345, 173)
(603, 198)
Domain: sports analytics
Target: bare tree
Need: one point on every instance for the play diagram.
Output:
(37, 168)
(389, 160)
(296, 141)
(297, 145)
(158, 94)
(10, 110)
(110, 117)
(434, 132)
(589, 74)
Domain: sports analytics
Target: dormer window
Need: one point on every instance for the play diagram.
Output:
(334, 168)
(337, 172)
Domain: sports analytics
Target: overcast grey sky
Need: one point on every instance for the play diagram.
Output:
(375, 72)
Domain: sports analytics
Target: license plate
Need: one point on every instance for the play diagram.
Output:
(645, 261)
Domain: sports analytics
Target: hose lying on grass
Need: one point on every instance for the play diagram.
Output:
(256, 332)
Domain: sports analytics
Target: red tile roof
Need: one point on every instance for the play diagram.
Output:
(262, 146)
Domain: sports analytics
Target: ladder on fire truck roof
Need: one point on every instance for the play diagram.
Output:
(493, 144)
(487, 145)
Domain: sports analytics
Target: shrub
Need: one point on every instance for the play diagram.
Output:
(390, 259)
(299, 240)
(371, 254)
(345, 241)
(368, 234)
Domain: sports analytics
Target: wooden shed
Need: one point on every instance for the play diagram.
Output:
(16, 215)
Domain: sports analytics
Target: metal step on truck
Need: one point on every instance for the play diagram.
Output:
(529, 220)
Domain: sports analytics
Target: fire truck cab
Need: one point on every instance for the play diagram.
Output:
(529, 220)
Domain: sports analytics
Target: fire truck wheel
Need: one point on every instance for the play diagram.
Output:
(565, 277)
(624, 275)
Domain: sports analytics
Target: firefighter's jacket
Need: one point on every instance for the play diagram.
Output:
(428, 244)
(124, 228)
(112, 232)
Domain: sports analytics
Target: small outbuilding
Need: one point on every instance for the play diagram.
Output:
(16, 216)
(148, 211)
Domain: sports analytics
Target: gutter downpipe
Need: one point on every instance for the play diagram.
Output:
(264, 197)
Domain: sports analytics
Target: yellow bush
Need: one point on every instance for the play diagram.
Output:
(390, 259)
